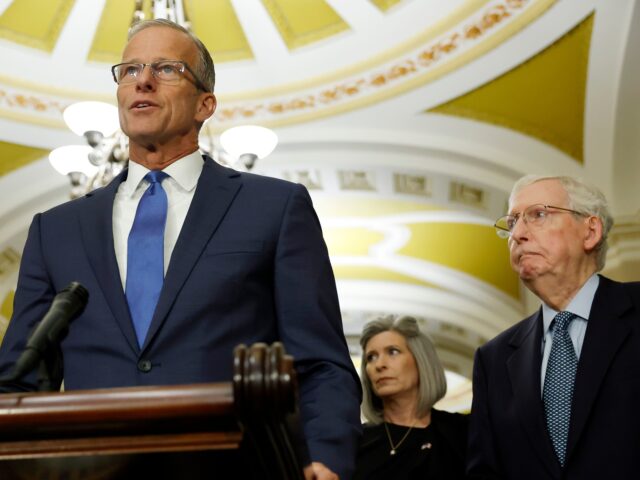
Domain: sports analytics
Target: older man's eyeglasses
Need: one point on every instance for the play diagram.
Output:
(534, 216)
(165, 71)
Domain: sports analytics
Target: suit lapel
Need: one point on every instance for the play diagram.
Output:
(96, 225)
(606, 331)
(524, 373)
(216, 189)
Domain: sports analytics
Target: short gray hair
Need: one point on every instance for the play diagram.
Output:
(432, 381)
(204, 69)
(584, 198)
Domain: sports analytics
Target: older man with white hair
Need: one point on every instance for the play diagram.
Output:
(556, 395)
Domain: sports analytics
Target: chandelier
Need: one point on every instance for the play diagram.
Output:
(169, 9)
(105, 152)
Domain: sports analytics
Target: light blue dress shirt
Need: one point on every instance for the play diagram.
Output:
(580, 305)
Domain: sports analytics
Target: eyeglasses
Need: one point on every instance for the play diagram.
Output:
(534, 216)
(165, 71)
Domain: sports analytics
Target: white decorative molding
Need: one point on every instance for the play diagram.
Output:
(624, 242)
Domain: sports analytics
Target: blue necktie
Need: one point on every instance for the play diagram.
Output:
(557, 393)
(145, 254)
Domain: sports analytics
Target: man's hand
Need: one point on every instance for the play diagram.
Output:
(317, 471)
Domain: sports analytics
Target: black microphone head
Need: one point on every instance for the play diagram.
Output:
(52, 329)
(78, 290)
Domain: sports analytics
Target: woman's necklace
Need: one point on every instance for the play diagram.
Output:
(394, 448)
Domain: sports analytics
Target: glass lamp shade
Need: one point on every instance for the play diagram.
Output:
(73, 158)
(84, 117)
(248, 139)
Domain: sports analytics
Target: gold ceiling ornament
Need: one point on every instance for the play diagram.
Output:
(468, 9)
(485, 29)
(25, 101)
(528, 97)
(457, 47)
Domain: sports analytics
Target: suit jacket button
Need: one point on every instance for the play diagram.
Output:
(144, 366)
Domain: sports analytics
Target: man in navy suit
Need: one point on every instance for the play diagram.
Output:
(244, 261)
(556, 395)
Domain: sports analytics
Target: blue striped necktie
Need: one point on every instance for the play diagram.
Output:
(557, 393)
(145, 254)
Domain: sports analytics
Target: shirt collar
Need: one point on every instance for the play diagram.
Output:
(185, 172)
(580, 305)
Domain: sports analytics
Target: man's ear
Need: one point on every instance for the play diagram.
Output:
(593, 233)
(206, 107)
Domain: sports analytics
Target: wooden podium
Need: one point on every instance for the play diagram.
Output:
(186, 431)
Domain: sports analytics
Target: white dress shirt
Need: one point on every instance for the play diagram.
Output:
(580, 305)
(180, 187)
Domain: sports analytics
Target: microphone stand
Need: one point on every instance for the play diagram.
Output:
(50, 369)
(43, 348)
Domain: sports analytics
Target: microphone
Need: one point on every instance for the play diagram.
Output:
(52, 329)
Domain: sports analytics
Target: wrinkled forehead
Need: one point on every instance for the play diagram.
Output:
(544, 192)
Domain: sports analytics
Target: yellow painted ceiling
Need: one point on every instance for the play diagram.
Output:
(472, 249)
(332, 207)
(298, 22)
(377, 274)
(543, 97)
(226, 44)
(351, 241)
(35, 23)
(474, 26)
(13, 156)
(301, 22)
(224, 37)
(6, 308)
(111, 34)
(385, 5)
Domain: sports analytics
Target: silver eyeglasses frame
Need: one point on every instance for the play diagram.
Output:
(504, 225)
(181, 67)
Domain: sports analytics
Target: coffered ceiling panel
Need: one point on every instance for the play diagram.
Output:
(224, 36)
(297, 27)
(111, 32)
(544, 97)
(35, 23)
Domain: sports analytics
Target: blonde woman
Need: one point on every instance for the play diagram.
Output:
(405, 437)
